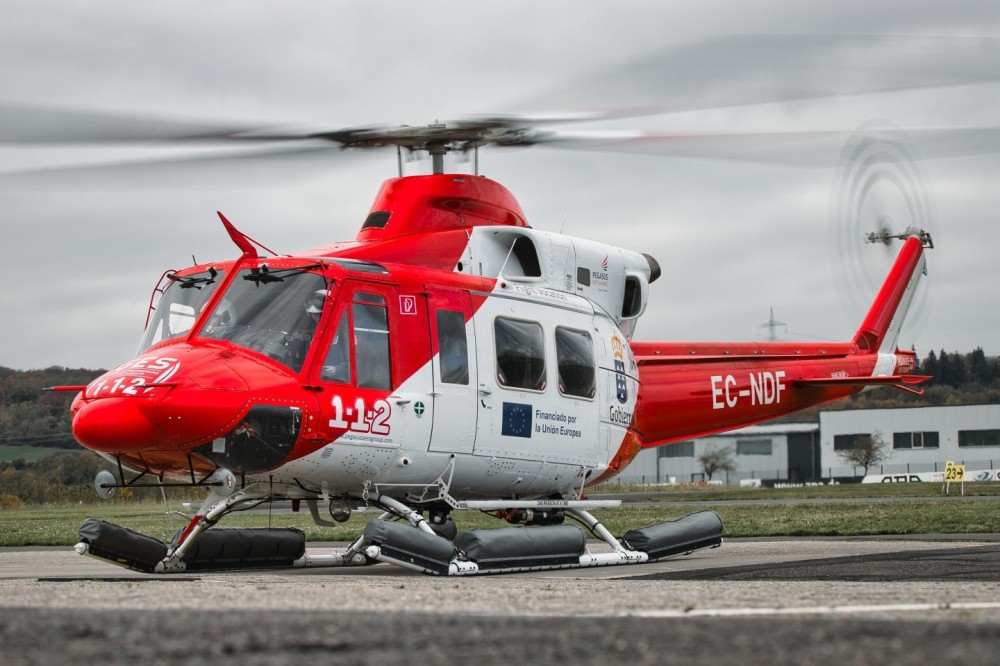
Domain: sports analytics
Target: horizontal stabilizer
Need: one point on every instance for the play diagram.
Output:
(902, 382)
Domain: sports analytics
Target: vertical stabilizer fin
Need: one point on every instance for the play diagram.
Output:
(880, 329)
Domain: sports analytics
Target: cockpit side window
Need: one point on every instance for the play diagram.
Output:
(337, 365)
(520, 349)
(371, 342)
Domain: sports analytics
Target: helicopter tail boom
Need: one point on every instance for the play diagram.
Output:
(696, 389)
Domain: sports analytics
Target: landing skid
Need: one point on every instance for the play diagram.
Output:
(401, 536)
(518, 549)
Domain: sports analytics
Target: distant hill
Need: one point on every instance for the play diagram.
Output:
(32, 417)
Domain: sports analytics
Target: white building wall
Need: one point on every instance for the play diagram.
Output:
(946, 421)
(650, 466)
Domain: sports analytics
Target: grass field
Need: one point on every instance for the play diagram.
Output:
(687, 493)
(28, 453)
(860, 511)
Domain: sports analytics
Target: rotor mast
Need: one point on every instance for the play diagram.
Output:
(437, 152)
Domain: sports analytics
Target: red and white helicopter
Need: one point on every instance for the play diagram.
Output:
(449, 357)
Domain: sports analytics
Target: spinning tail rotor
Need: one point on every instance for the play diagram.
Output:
(882, 198)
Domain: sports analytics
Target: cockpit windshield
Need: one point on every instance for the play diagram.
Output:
(273, 312)
(182, 301)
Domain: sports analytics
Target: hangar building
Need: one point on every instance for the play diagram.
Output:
(922, 439)
(781, 450)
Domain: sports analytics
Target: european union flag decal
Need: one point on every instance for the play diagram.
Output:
(516, 420)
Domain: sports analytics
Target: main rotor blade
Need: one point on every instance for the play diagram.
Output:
(235, 169)
(807, 148)
(717, 72)
(26, 124)
(742, 70)
(40, 125)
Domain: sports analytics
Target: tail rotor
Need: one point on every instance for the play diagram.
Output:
(881, 198)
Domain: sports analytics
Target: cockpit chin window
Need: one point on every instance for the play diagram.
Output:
(272, 312)
(182, 301)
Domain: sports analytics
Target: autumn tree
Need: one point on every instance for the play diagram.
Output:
(867, 452)
(717, 460)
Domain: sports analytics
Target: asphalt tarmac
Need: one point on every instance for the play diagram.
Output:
(773, 601)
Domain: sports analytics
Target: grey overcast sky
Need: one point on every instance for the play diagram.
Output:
(734, 238)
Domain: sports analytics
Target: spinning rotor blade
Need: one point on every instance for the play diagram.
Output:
(713, 73)
(39, 125)
(740, 70)
(239, 169)
(805, 149)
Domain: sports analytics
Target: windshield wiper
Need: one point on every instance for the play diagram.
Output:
(195, 281)
(265, 275)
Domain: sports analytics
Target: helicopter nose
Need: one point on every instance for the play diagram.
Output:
(187, 418)
(194, 407)
(114, 425)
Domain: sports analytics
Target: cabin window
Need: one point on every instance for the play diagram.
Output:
(753, 447)
(915, 440)
(520, 351)
(979, 437)
(337, 365)
(575, 358)
(453, 347)
(371, 342)
(676, 450)
(848, 442)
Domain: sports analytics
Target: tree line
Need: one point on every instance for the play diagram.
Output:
(972, 378)
(974, 370)
(61, 477)
(30, 416)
